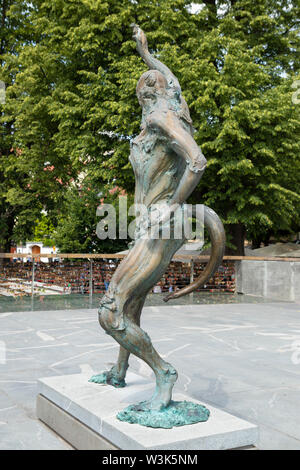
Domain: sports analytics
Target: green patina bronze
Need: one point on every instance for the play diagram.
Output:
(168, 165)
(109, 379)
(177, 413)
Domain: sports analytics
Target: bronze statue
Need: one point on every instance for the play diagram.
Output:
(168, 165)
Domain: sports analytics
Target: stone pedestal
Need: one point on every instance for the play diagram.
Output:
(84, 414)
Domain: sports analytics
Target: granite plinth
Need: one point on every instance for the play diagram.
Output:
(92, 408)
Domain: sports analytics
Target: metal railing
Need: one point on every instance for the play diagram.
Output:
(90, 274)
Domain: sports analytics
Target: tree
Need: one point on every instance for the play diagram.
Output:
(20, 204)
(7, 212)
(74, 107)
(251, 140)
(44, 231)
(236, 64)
(77, 224)
(34, 176)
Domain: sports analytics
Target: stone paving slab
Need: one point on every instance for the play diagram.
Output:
(242, 358)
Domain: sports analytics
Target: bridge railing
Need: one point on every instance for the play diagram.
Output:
(69, 273)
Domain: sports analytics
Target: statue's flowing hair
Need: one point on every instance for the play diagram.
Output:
(155, 83)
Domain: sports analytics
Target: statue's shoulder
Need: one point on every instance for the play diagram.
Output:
(161, 119)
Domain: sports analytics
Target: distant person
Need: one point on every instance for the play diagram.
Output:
(106, 283)
(157, 289)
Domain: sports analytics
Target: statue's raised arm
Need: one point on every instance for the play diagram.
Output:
(142, 47)
(165, 110)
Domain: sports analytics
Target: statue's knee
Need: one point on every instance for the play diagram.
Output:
(104, 319)
(101, 319)
(110, 318)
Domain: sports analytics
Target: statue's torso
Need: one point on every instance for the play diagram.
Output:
(157, 168)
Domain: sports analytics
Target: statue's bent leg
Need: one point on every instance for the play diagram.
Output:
(143, 267)
(116, 375)
(137, 341)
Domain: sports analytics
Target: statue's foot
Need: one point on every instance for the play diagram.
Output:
(110, 378)
(177, 413)
(163, 393)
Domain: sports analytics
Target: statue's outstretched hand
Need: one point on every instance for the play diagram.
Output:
(140, 37)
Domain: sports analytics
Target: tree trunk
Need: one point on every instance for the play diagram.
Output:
(3, 261)
(263, 237)
(236, 236)
(7, 238)
(256, 242)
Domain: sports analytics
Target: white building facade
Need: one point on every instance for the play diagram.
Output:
(36, 248)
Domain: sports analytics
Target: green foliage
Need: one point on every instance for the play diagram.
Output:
(76, 228)
(20, 202)
(71, 70)
(44, 231)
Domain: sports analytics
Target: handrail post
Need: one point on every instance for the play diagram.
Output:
(91, 284)
(32, 281)
(191, 276)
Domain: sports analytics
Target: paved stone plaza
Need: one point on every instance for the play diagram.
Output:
(242, 358)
